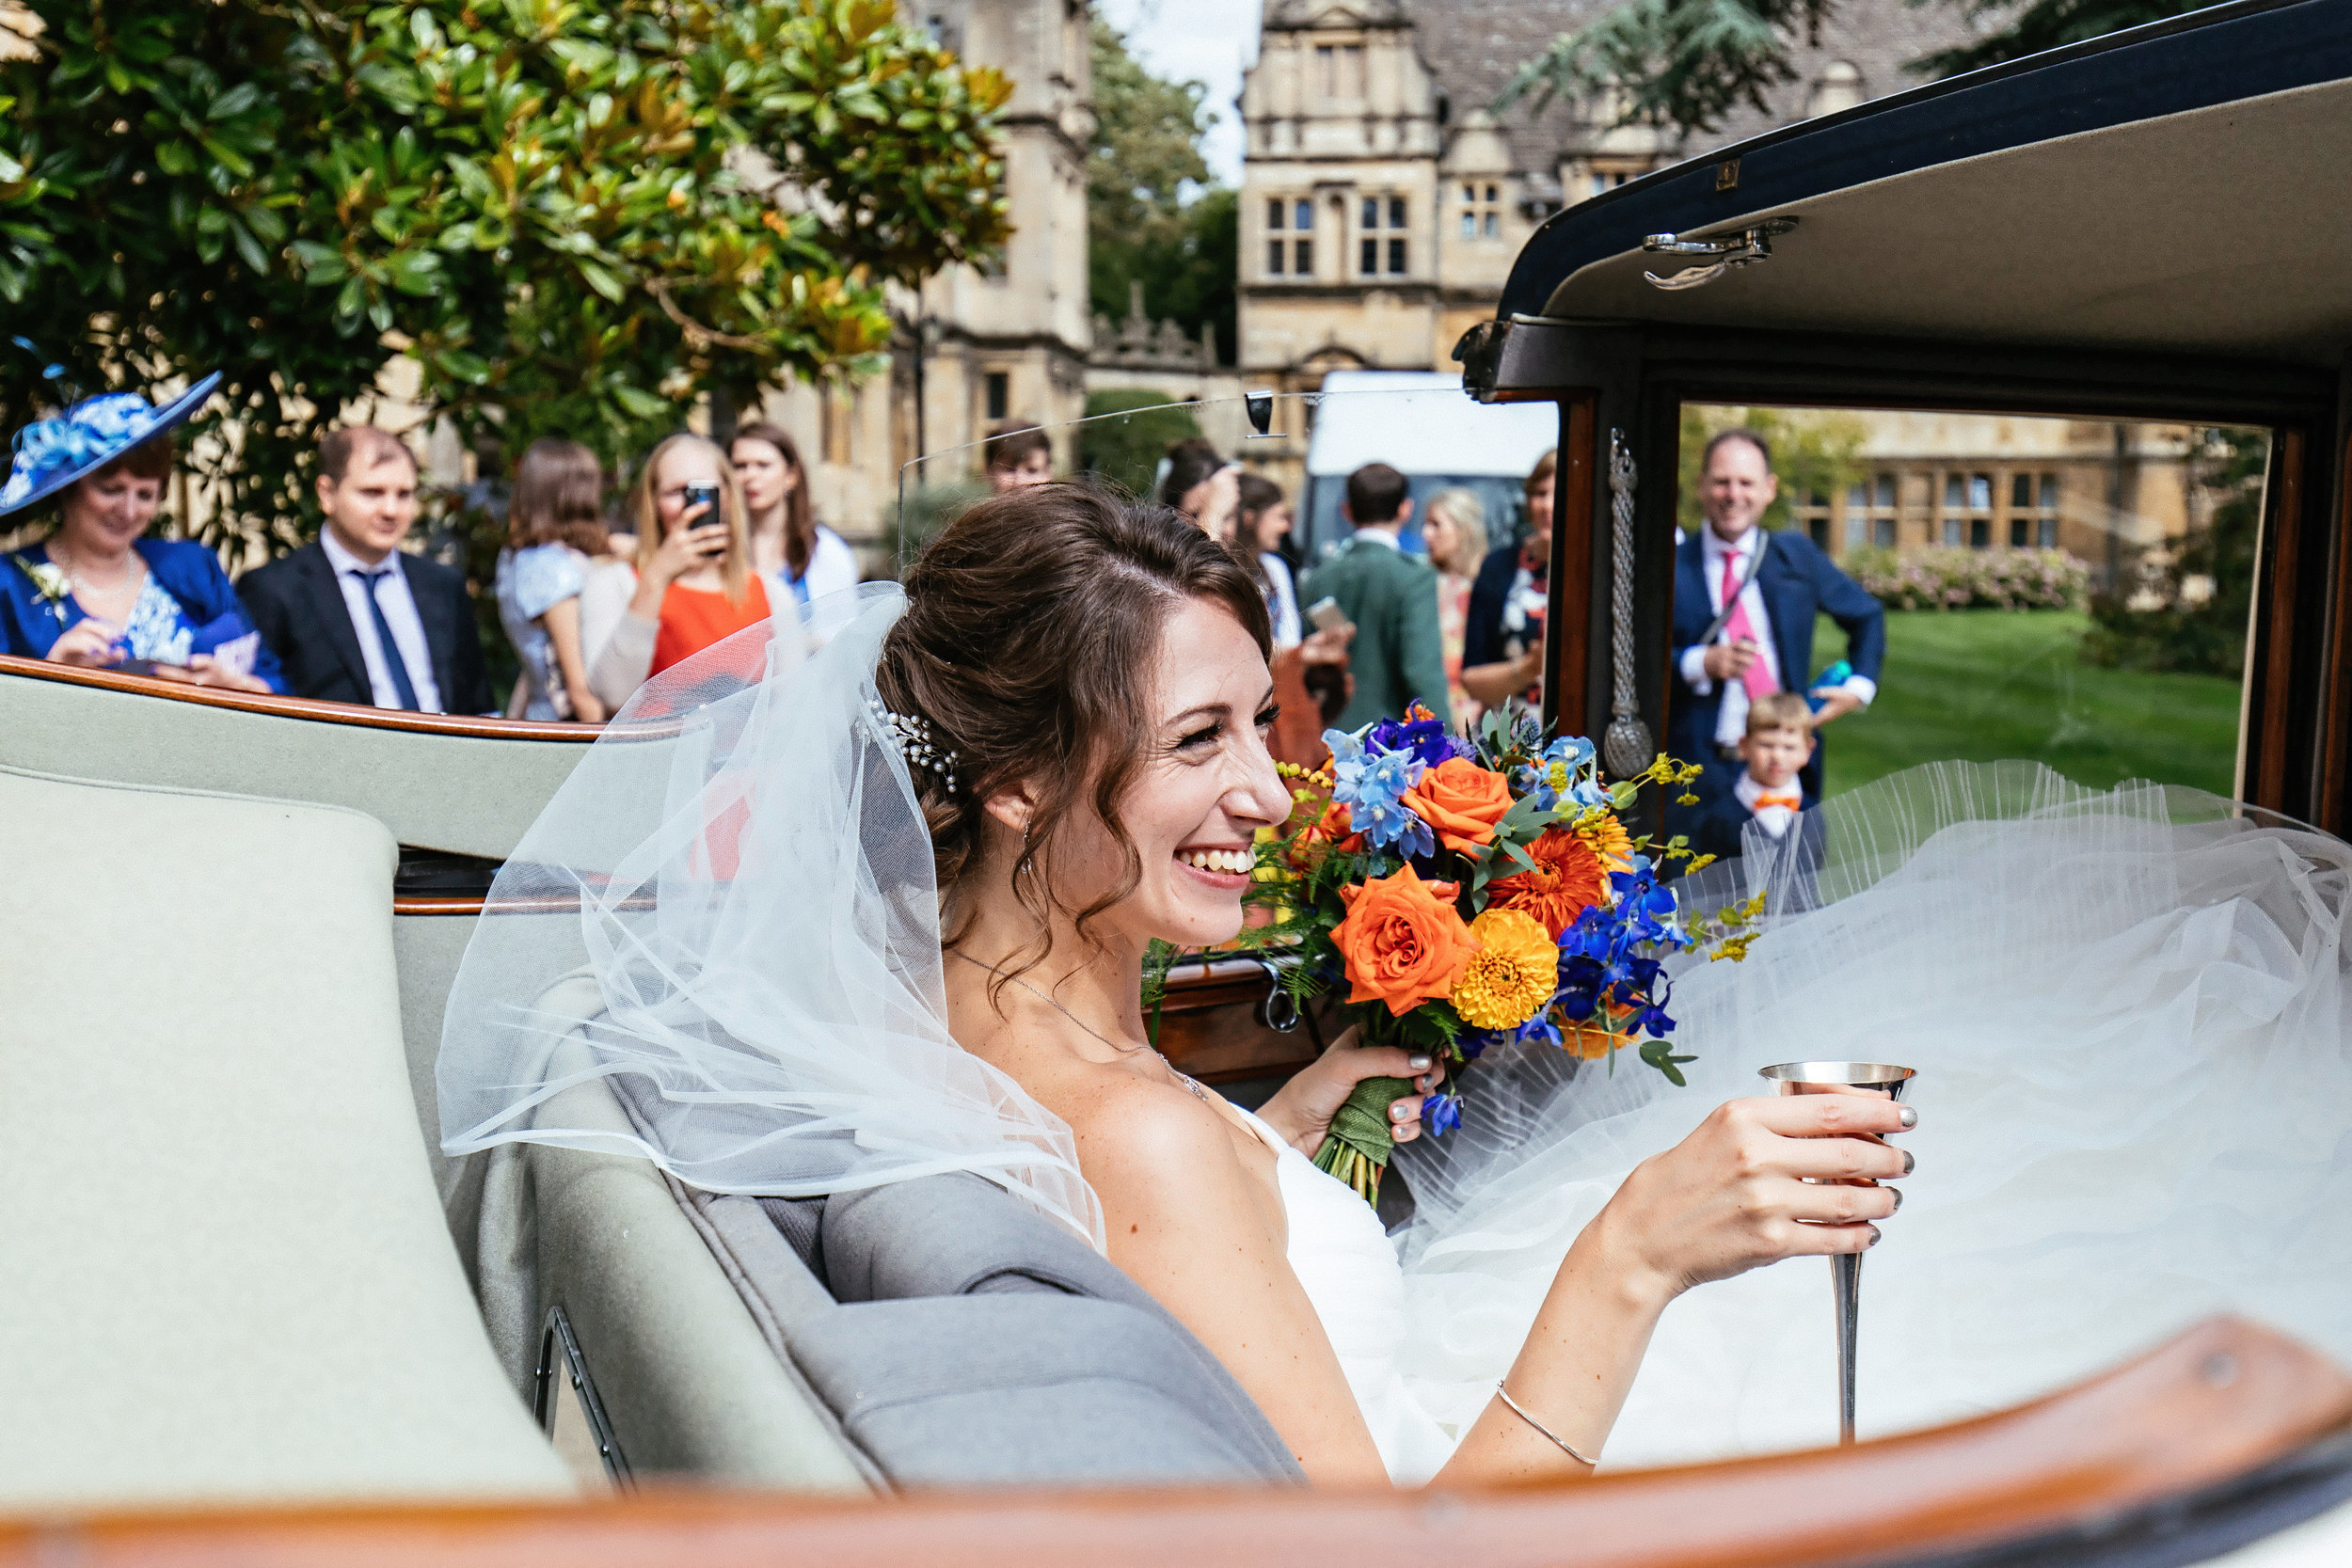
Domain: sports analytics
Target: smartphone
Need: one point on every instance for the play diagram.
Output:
(703, 494)
(1326, 613)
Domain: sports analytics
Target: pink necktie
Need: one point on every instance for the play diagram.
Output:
(1757, 679)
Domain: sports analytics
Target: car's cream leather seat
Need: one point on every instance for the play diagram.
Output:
(226, 1272)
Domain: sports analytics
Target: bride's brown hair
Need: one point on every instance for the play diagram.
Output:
(1032, 622)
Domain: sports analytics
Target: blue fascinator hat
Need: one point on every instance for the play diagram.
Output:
(53, 453)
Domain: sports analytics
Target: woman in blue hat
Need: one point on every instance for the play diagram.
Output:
(97, 593)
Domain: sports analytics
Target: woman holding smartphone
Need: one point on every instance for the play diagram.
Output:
(696, 585)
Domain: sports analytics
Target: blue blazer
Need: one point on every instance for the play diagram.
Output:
(29, 625)
(1798, 582)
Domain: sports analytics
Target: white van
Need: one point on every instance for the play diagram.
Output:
(1421, 424)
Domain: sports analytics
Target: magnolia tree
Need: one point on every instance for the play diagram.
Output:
(566, 217)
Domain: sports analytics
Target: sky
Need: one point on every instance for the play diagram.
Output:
(1207, 40)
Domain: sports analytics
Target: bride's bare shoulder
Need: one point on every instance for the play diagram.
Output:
(1127, 1116)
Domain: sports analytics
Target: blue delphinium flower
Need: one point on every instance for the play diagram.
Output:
(1419, 733)
(1372, 785)
(1565, 771)
(1441, 1114)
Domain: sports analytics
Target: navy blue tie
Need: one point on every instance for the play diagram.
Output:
(397, 666)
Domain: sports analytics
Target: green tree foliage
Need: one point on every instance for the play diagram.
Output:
(1128, 450)
(1814, 452)
(1679, 62)
(1689, 63)
(555, 216)
(2045, 25)
(1149, 219)
(2187, 612)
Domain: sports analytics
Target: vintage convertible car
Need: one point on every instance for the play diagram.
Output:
(249, 1313)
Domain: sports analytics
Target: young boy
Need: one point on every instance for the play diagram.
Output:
(1778, 744)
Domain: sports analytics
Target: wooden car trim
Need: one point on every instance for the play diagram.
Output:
(307, 709)
(2335, 731)
(2262, 745)
(2221, 1400)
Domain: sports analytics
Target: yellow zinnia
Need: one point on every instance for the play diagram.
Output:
(1512, 974)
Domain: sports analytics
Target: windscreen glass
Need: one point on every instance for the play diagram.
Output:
(2072, 592)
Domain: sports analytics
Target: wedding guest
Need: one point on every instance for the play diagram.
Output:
(1746, 602)
(696, 585)
(1309, 664)
(355, 618)
(1265, 519)
(1204, 488)
(1502, 634)
(1770, 790)
(1389, 597)
(97, 593)
(554, 533)
(797, 557)
(1017, 456)
(1453, 528)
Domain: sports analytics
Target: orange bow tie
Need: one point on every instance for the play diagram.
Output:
(1794, 802)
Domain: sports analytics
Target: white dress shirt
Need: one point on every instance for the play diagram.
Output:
(400, 613)
(1731, 715)
(1282, 604)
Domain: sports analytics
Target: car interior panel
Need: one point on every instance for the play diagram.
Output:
(275, 1308)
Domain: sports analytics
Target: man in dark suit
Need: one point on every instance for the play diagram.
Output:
(1398, 653)
(354, 618)
(1765, 643)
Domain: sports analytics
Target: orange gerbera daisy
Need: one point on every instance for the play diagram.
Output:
(1568, 879)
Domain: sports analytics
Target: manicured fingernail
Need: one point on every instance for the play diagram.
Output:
(1898, 1200)
(1874, 1235)
(1911, 1162)
(1418, 1063)
(1910, 1118)
(1397, 1113)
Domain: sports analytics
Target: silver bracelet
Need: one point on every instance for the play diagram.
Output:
(1505, 1395)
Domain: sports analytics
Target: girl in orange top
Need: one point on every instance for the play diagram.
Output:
(694, 576)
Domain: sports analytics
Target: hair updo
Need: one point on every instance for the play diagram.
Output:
(1032, 625)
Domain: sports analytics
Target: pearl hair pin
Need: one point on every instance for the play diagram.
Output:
(912, 734)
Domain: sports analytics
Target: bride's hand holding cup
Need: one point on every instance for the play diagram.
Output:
(1760, 1179)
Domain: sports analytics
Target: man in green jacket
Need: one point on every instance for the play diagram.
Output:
(1392, 599)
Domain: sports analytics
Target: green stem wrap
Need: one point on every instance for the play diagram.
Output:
(1357, 1146)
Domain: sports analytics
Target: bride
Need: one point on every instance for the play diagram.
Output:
(884, 913)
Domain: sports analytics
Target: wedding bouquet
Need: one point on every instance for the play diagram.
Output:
(1465, 891)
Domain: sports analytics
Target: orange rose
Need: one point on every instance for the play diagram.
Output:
(1462, 801)
(1402, 940)
(1569, 880)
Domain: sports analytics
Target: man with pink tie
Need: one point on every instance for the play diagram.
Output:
(1724, 661)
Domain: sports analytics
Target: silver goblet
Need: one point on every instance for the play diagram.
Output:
(1846, 1267)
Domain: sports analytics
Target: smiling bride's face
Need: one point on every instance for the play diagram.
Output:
(1198, 798)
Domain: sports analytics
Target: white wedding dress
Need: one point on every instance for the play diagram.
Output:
(2130, 1022)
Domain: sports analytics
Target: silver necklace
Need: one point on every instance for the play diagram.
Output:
(1198, 1092)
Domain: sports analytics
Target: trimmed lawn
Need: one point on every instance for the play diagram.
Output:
(1985, 685)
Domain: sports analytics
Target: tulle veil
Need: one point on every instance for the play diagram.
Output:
(739, 881)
